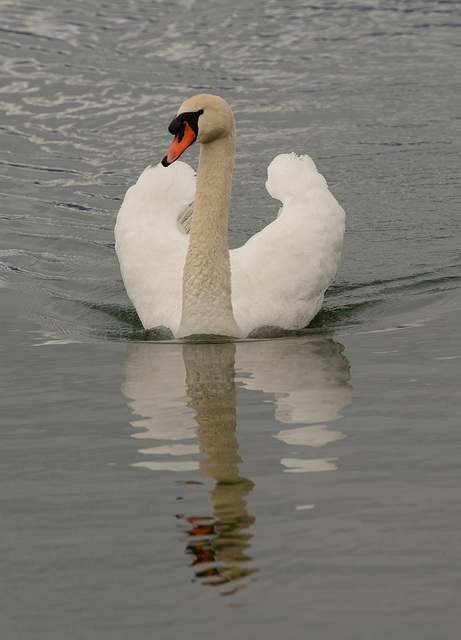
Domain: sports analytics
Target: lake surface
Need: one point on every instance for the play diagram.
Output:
(306, 486)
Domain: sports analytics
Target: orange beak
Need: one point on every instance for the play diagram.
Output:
(181, 141)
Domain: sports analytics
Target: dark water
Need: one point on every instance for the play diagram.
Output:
(304, 486)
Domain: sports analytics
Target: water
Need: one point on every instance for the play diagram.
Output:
(306, 485)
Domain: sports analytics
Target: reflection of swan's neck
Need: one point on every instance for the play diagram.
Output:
(211, 388)
(206, 301)
(210, 379)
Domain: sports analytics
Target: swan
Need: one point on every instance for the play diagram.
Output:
(190, 282)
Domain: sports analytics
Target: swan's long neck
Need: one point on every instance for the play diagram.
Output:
(206, 295)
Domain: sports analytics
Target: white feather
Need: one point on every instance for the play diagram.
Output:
(152, 246)
(290, 263)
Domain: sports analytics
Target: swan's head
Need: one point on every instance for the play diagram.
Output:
(202, 118)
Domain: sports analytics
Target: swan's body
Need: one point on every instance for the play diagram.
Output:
(194, 284)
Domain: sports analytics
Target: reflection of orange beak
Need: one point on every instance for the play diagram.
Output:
(181, 141)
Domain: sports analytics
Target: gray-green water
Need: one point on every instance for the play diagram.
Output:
(302, 487)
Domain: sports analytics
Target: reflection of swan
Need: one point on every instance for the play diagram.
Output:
(156, 389)
(278, 277)
(163, 384)
(309, 378)
(186, 393)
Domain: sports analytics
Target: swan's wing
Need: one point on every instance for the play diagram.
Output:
(151, 243)
(280, 275)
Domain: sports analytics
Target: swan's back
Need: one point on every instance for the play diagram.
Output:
(280, 275)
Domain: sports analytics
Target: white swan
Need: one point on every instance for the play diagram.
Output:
(193, 284)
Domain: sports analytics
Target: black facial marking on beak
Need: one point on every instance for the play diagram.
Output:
(176, 126)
